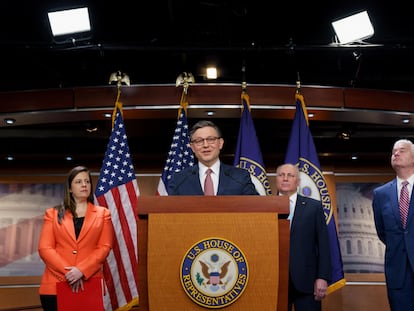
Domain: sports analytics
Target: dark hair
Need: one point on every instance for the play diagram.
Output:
(68, 200)
(204, 123)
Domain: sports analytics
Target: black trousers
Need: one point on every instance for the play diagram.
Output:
(302, 301)
(49, 302)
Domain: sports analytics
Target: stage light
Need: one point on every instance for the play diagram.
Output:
(211, 73)
(353, 28)
(71, 24)
(10, 121)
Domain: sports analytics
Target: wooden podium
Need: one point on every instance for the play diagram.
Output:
(169, 225)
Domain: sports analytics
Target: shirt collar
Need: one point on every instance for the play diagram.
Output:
(409, 179)
(215, 168)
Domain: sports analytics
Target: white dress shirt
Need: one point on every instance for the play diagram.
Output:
(292, 203)
(409, 186)
(215, 172)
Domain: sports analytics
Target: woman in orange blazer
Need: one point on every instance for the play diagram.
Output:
(75, 240)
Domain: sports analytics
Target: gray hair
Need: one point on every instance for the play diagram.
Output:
(405, 141)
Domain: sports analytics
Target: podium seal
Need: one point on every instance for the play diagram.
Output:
(214, 273)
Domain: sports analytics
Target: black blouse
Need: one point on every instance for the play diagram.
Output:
(78, 222)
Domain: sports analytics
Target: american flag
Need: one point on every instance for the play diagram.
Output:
(180, 155)
(117, 189)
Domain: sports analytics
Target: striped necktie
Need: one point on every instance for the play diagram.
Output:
(404, 203)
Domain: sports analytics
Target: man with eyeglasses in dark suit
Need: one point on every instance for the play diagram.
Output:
(206, 142)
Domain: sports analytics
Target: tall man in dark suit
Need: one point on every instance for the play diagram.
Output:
(394, 231)
(206, 142)
(309, 257)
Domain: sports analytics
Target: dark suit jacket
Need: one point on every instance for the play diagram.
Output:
(232, 181)
(399, 242)
(310, 256)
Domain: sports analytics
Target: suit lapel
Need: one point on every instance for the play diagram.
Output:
(394, 201)
(195, 179)
(221, 177)
(224, 175)
(67, 223)
(90, 217)
(410, 210)
(299, 210)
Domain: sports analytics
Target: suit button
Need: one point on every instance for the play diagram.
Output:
(74, 252)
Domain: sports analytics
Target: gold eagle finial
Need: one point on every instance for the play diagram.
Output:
(185, 79)
(120, 78)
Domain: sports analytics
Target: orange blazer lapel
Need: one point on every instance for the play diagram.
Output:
(90, 218)
(67, 223)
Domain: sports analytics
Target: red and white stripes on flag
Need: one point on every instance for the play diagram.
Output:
(180, 155)
(117, 189)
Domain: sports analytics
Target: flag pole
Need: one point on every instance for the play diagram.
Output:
(117, 189)
(184, 80)
(244, 95)
(119, 78)
(248, 155)
(299, 96)
(298, 84)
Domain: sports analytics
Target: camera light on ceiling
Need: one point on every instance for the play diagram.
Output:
(354, 28)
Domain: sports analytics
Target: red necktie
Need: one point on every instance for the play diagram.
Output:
(404, 203)
(208, 183)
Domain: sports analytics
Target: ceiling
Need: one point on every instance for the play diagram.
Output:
(154, 41)
(260, 42)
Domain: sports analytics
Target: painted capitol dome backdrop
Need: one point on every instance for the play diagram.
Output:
(362, 251)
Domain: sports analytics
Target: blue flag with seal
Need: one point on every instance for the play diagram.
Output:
(248, 155)
(301, 151)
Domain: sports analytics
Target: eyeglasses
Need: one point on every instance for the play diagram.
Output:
(283, 175)
(200, 141)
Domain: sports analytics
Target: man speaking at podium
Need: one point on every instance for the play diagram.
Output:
(210, 176)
